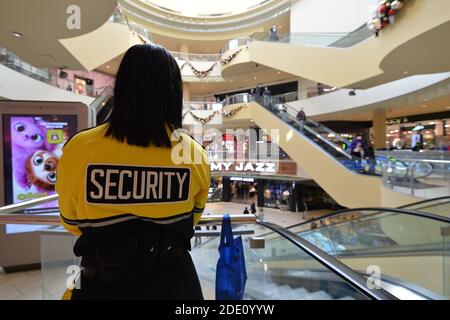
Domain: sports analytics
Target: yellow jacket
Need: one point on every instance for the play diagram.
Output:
(102, 182)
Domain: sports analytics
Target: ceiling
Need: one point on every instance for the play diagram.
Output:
(206, 8)
(170, 28)
(42, 23)
(204, 88)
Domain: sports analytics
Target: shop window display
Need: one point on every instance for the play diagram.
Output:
(277, 194)
(215, 193)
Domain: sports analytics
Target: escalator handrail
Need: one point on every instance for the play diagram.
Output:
(316, 134)
(318, 124)
(349, 275)
(97, 104)
(424, 202)
(379, 210)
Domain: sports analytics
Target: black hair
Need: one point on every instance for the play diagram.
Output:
(148, 97)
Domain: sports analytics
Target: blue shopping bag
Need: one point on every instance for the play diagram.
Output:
(231, 274)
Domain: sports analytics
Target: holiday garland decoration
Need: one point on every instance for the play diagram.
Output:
(226, 113)
(232, 112)
(204, 73)
(228, 59)
(385, 14)
(200, 119)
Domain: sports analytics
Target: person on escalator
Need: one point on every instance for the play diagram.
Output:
(124, 190)
(369, 156)
(301, 118)
(267, 97)
(284, 114)
(357, 149)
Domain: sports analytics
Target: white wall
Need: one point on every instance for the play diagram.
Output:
(330, 15)
(16, 86)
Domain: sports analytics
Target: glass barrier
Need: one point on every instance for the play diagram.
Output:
(270, 275)
(202, 105)
(308, 39)
(236, 43)
(422, 178)
(47, 76)
(328, 39)
(193, 57)
(439, 206)
(12, 61)
(406, 248)
(238, 98)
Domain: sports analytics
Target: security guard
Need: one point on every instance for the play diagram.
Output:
(134, 187)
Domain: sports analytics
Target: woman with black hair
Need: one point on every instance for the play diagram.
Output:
(133, 188)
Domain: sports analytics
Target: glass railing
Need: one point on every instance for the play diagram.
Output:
(47, 76)
(238, 98)
(202, 105)
(236, 44)
(313, 274)
(439, 206)
(406, 247)
(270, 275)
(194, 57)
(12, 61)
(308, 39)
(325, 39)
(423, 178)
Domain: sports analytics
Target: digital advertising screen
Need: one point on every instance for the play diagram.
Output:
(32, 148)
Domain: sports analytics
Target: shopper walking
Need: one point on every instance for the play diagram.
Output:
(253, 208)
(273, 33)
(132, 203)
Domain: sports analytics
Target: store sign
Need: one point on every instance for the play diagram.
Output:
(396, 121)
(243, 179)
(266, 167)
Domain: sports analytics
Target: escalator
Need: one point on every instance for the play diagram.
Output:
(322, 154)
(102, 105)
(439, 206)
(410, 248)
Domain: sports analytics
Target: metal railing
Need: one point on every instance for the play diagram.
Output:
(422, 177)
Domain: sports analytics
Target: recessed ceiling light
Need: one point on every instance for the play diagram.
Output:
(107, 67)
(17, 34)
(280, 27)
(424, 106)
(405, 72)
(447, 108)
(254, 78)
(279, 72)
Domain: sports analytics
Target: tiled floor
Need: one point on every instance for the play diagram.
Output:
(27, 285)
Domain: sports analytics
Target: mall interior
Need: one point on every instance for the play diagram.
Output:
(326, 124)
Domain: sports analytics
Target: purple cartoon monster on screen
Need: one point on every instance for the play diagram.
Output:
(26, 138)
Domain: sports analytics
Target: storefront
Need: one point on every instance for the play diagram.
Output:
(269, 192)
(432, 130)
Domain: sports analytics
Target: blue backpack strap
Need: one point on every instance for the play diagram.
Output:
(226, 235)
